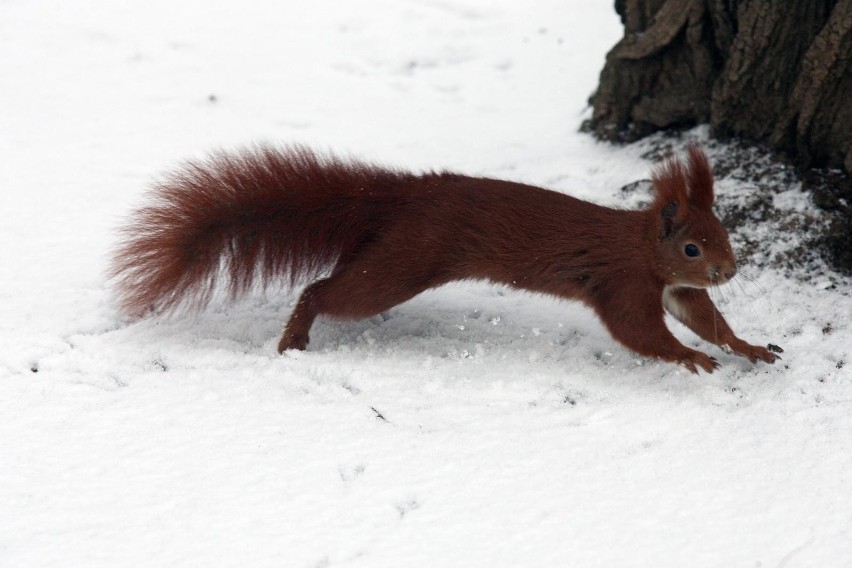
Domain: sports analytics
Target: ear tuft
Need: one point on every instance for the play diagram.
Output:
(670, 203)
(668, 215)
(699, 178)
(669, 179)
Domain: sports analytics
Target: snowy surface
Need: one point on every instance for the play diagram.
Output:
(471, 426)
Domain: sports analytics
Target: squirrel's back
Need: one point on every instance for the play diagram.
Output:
(253, 217)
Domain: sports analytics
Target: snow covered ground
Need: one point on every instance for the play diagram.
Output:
(471, 426)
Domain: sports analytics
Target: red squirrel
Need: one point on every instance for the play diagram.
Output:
(376, 237)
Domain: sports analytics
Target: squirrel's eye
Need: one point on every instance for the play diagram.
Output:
(692, 250)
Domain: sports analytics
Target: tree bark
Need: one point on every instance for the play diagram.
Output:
(771, 71)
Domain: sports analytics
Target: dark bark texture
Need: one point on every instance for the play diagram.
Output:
(777, 72)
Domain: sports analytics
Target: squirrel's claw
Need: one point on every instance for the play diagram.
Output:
(699, 359)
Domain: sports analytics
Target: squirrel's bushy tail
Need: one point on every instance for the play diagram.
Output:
(245, 218)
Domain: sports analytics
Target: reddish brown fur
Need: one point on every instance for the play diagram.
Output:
(386, 236)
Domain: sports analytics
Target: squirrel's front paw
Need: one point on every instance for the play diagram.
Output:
(698, 359)
(755, 353)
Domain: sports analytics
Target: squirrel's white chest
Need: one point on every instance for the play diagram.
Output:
(672, 305)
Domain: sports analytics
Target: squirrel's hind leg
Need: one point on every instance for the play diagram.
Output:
(359, 289)
(295, 334)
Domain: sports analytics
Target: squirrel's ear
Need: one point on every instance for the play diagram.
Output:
(668, 216)
(699, 178)
(670, 202)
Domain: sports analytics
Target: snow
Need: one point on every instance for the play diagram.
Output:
(471, 426)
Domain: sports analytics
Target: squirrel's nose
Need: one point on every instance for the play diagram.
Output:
(726, 271)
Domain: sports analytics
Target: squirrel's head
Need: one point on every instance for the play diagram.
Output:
(692, 247)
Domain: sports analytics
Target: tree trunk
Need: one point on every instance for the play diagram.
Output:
(777, 72)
